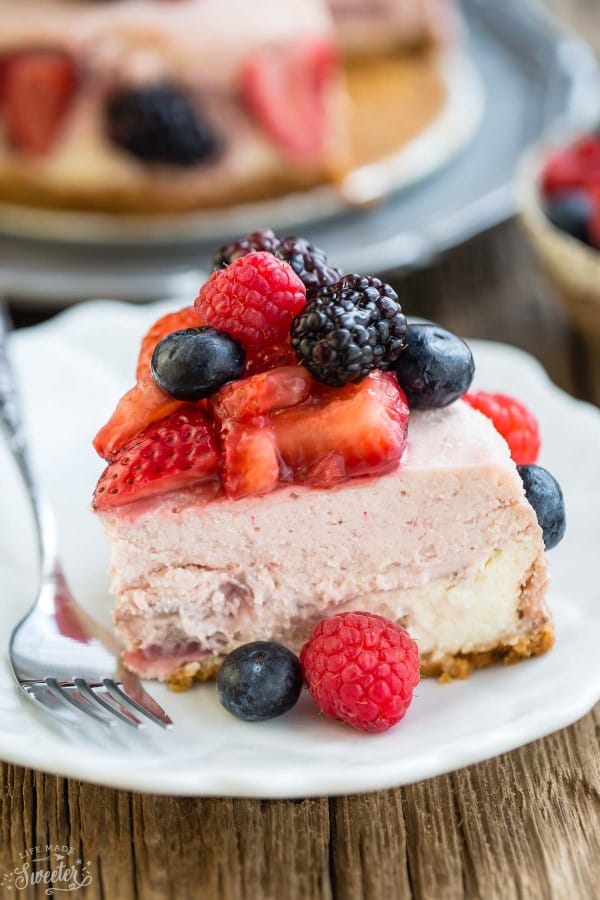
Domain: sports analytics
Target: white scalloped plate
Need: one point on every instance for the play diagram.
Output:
(71, 371)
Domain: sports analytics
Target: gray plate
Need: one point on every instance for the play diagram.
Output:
(537, 77)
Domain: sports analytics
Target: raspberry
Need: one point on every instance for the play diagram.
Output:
(513, 421)
(362, 669)
(349, 328)
(254, 300)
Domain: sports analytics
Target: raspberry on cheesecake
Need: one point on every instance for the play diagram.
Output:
(246, 506)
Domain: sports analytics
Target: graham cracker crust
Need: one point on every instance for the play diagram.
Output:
(446, 669)
(392, 100)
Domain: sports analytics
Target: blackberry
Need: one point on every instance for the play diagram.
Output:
(265, 240)
(349, 328)
(158, 124)
(308, 262)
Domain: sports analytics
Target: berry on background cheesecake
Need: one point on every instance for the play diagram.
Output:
(294, 449)
(150, 106)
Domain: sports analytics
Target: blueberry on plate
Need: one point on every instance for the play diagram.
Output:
(259, 681)
(195, 362)
(544, 494)
(435, 368)
(571, 212)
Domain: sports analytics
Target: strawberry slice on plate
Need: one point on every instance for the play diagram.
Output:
(173, 453)
(286, 92)
(36, 90)
(141, 406)
(250, 462)
(359, 429)
(175, 321)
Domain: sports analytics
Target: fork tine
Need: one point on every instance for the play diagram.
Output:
(152, 710)
(70, 701)
(92, 697)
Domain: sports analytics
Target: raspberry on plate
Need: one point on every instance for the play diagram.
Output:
(254, 299)
(362, 669)
(511, 418)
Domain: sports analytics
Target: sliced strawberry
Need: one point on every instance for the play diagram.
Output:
(143, 404)
(262, 394)
(362, 424)
(286, 91)
(250, 463)
(270, 357)
(175, 321)
(178, 451)
(36, 89)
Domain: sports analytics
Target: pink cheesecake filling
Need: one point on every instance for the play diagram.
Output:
(445, 543)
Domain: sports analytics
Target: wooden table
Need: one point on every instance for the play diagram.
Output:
(524, 825)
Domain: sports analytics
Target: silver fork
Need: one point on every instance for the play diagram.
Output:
(61, 658)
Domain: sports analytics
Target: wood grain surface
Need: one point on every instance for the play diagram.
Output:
(523, 825)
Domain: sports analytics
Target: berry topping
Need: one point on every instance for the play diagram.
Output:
(572, 212)
(308, 262)
(362, 669)
(513, 421)
(254, 300)
(259, 681)
(158, 124)
(143, 404)
(349, 328)
(270, 357)
(175, 321)
(435, 368)
(265, 240)
(355, 430)
(545, 496)
(170, 454)
(36, 90)
(194, 363)
(287, 92)
(249, 458)
(562, 172)
(262, 394)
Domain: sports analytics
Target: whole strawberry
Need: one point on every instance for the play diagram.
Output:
(362, 669)
(254, 300)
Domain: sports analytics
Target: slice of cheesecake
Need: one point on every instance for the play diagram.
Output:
(445, 543)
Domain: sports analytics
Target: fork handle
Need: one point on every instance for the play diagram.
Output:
(11, 420)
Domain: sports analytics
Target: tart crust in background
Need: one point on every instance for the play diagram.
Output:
(392, 100)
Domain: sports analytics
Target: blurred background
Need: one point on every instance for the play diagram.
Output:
(450, 148)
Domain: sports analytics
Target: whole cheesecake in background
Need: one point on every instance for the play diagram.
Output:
(293, 449)
(149, 106)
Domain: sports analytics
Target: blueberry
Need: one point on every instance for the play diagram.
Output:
(571, 212)
(259, 681)
(195, 362)
(544, 494)
(435, 368)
